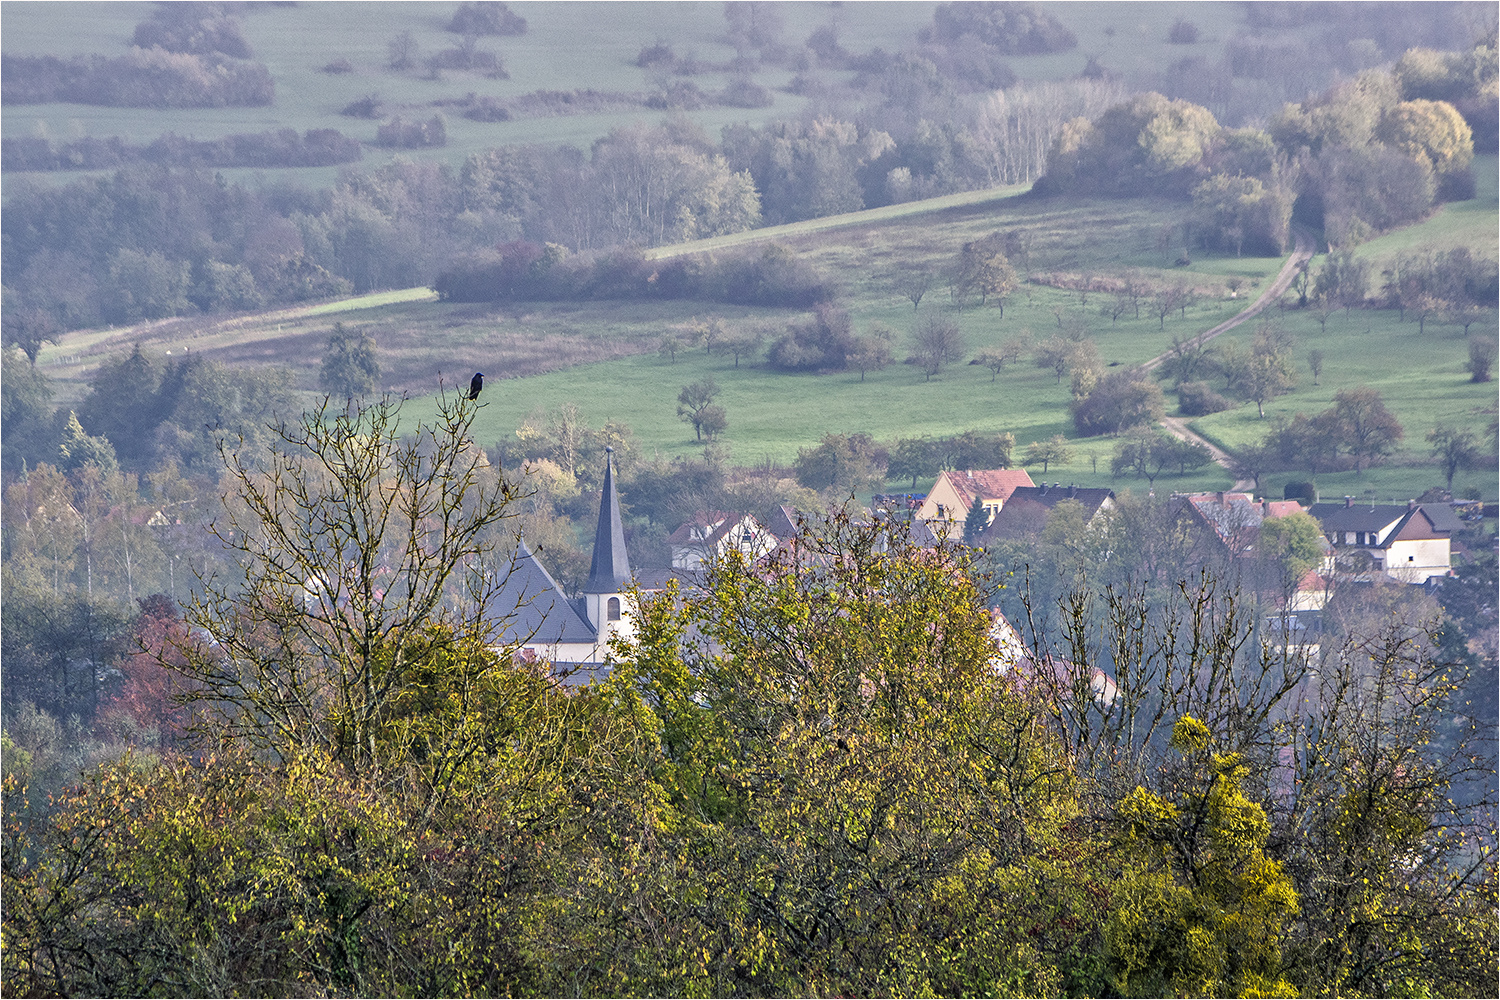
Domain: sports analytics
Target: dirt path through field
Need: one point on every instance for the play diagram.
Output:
(1177, 426)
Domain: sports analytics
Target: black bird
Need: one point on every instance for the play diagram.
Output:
(476, 384)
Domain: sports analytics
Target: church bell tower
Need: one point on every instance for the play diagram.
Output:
(609, 606)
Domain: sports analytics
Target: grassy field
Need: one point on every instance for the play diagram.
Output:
(602, 356)
(1422, 378)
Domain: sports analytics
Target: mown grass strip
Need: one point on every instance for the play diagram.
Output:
(863, 217)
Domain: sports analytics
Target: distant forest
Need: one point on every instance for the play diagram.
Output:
(163, 237)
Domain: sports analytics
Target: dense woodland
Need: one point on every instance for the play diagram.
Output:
(226, 773)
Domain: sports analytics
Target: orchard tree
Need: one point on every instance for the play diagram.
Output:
(741, 343)
(28, 329)
(917, 457)
(1366, 428)
(842, 464)
(871, 353)
(938, 341)
(1053, 450)
(1482, 351)
(913, 284)
(350, 367)
(1454, 448)
(695, 405)
(1315, 364)
(1268, 374)
(992, 358)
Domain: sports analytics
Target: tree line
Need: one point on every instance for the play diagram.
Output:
(281, 148)
(191, 55)
(143, 78)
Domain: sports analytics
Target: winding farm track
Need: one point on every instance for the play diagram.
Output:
(1176, 426)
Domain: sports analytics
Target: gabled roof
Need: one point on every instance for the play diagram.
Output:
(783, 523)
(1028, 508)
(711, 524)
(1378, 517)
(1092, 497)
(541, 615)
(1233, 517)
(1442, 516)
(609, 573)
(991, 484)
(1236, 517)
(1279, 508)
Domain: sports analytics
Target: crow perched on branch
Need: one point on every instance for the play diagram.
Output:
(476, 384)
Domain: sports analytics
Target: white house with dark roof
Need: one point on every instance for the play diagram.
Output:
(543, 624)
(1411, 543)
(710, 535)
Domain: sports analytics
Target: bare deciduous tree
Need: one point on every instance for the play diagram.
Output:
(364, 554)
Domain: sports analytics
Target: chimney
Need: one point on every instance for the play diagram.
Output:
(1411, 505)
(1348, 502)
(1072, 490)
(1265, 508)
(1221, 498)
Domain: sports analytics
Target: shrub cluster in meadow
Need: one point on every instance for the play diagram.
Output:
(526, 271)
(144, 78)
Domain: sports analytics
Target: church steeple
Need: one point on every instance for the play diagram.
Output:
(609, 573)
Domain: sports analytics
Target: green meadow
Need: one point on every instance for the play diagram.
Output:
(603, 358)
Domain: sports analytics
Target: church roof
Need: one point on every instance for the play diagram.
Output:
(538, 612)
(609, 573)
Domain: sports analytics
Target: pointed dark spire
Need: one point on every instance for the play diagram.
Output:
(610, 571)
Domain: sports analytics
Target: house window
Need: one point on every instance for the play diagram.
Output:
(614, 609)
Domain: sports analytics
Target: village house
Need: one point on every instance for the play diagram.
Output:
(710, 535)
(1026, 511)
(955, 492)
(1231, 522)
(1411, 543)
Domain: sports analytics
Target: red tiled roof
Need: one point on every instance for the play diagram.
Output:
(992, 484)
(1280, 508)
